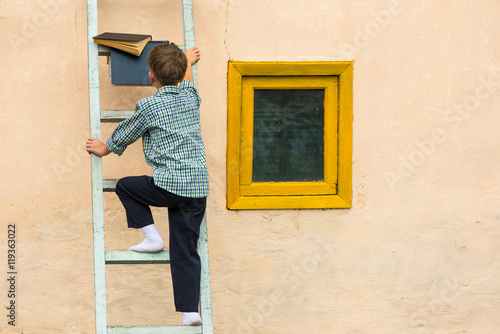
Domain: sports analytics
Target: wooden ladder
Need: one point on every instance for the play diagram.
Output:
(103, 257)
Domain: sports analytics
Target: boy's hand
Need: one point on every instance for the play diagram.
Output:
(193, 55)
(97, 147)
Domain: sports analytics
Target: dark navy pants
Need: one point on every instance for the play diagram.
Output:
(137, 194)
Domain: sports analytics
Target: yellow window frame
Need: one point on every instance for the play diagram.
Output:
(335, 191)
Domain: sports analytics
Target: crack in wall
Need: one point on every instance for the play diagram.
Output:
(225, 30)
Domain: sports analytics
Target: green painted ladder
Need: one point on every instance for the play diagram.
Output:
(103, 257)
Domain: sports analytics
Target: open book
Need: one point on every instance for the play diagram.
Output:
(131, 43)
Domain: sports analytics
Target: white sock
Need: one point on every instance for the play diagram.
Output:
(191, 318)
(152, 243)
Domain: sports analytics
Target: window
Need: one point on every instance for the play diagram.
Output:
(289, 135)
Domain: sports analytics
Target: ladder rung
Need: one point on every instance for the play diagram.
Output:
(115, 116)
(155, 330)
(109, 184)
(130, 257)
(103, 50)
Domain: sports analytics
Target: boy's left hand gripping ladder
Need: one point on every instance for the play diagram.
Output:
(103, 257)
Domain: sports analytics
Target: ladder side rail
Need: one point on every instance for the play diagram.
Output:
(96, 172)
(188, 23)
(205, 293)
(205, 289)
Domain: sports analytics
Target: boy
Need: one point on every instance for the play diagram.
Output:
(169, 124)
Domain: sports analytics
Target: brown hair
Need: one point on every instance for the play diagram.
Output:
(168, 64)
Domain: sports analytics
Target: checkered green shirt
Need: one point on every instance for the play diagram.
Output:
(169, 124)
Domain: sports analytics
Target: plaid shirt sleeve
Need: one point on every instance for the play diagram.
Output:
(190, 88)
(127, 132)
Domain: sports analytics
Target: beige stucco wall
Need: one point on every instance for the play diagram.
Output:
(418, 251)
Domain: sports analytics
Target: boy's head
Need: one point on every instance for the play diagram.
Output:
(168, 64)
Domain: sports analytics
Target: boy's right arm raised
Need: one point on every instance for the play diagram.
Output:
(193, 55)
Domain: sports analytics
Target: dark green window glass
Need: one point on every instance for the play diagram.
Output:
(288, 135)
